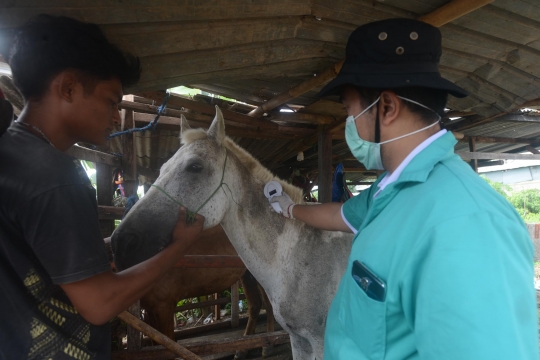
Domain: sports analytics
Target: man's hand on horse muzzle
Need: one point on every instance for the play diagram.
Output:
(187, 231)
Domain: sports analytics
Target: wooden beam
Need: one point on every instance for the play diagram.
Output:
(300, 131)
(158, 337)
(205, 108)
(496, 156)
(219, 301)
(475, 121)
(494, 140)
(519, 118)
(146, 113)
(304, 144)
(486, 163)
(325, 166)
(438, 17)
(207, 346)
(133, 335)
(229, 92)
(457, 113)
(171, 123)
(300, 89)
(210, 261)
(110, 212)
(303, 118)
(82, 153)
(532, 149)
(451, 11)
(152, 109)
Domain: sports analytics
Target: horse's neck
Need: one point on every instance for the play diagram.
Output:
(259, 234)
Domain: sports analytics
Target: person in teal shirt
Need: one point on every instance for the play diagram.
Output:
(441, 265)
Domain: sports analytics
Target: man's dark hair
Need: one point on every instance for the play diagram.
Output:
(431, 98)
(48, 45)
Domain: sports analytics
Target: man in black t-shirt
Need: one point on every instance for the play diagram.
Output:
(57, 291)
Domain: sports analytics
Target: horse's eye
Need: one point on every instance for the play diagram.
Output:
(195, 168)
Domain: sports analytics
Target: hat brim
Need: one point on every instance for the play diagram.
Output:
(392, 81)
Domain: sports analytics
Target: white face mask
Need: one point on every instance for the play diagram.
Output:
(369, 153)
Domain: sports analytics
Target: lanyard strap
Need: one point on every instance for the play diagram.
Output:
(190, 216)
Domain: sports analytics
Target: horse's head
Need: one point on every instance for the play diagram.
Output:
(194, 177)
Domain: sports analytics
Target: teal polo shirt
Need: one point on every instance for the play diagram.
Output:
(457, 264)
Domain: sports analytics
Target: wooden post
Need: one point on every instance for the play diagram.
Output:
(134, 335)
(234, 306)
(104, 195)
(217, 308)
(129, 158)
(157, 336)
(104, 174)
(154, 149)
(472, 148)
(325, 166)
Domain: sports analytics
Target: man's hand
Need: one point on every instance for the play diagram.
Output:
(101, 297)
(286, 204)
(184, 232)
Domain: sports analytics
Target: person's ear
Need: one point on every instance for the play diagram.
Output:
(390, 107)
(67, 86)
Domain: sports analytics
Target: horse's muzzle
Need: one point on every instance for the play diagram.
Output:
(130, 248)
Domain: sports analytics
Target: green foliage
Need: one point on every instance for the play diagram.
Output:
(182, 90)
(526, 202)
(501, 188)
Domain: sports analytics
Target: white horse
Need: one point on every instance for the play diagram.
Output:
(299, 266)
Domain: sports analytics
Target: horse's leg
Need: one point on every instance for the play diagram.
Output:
(301, 348)
(267, 350)
(254, 306)
(161, 318)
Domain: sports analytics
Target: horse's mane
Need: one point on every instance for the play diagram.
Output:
(256, 169)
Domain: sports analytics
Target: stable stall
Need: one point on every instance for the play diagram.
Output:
(263, 63)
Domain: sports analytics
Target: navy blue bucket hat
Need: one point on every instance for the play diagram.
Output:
(391, 54)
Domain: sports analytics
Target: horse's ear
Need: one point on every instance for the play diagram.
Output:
(184, 125)
(217, 129)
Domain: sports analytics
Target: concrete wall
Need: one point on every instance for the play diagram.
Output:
(534, 232)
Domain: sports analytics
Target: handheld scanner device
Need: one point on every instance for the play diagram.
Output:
(271, 189)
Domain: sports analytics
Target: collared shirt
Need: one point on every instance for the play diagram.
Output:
(391, 177)
(456, 261)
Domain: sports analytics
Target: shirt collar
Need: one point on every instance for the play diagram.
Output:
(418, 164)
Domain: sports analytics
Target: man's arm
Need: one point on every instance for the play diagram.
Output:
(101, 297)
(321, 216)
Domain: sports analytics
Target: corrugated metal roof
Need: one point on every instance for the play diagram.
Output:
(253, 51)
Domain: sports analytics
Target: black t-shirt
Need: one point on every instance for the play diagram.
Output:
(49, 235)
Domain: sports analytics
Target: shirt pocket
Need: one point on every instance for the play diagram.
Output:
(364, 320)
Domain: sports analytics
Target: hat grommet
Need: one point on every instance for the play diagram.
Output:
(383, 36)
(400, 50)
(414, 35)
